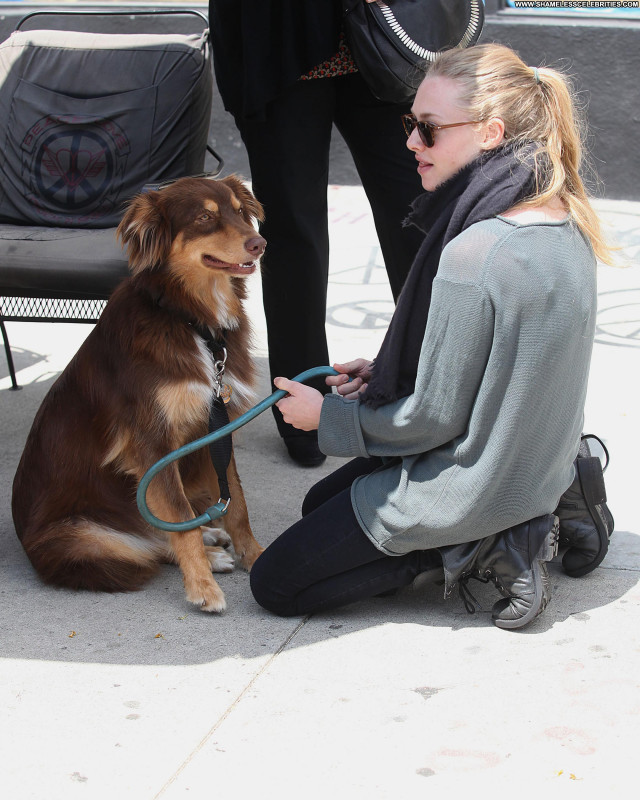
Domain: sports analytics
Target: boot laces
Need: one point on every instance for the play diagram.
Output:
(470, 602)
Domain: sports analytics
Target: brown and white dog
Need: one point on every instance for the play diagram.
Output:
(139, 387)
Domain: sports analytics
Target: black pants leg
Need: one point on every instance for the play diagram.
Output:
(289, 158)
(374, 134)
(325, 560)
(336, 481)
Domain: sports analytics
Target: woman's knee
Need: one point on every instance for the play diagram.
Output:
(266, 587)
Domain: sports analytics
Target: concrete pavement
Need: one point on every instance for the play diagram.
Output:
(141, 696)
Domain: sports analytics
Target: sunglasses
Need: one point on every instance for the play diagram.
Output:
(427, 130)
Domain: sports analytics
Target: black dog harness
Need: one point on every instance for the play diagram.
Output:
(220, 450)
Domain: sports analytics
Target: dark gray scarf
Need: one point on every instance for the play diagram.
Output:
(490, 185)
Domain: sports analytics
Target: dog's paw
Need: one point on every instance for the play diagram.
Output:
(216, 537)
(250, 555)
(220, 560)
(207, 595)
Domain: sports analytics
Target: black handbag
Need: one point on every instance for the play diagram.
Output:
(392, 42)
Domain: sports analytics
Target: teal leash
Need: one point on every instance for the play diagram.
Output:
(220, 508)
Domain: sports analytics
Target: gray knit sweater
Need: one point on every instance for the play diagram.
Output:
(489, 436)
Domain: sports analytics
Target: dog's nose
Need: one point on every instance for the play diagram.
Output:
(255, 246)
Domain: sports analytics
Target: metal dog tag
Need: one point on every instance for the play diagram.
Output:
(225, 393)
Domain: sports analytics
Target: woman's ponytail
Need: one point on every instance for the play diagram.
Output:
(536, 104)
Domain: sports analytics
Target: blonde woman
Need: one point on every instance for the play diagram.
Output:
(467, 425)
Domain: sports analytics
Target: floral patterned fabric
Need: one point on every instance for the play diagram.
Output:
(340, 64)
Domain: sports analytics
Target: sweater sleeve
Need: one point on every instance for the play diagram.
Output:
(454, 354)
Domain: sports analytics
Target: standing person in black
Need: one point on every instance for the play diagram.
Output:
(284, 71)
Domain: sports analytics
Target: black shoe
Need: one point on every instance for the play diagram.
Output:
(304, 450)
(515, 561)
(586, 524)
(520, 571)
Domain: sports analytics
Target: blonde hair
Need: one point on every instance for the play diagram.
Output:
(536, 105)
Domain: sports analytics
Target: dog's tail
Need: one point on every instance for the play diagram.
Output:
(80, 554)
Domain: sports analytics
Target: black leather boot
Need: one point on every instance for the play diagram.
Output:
(586, 524)
(515, 561)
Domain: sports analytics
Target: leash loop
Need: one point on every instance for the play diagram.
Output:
(220, 508)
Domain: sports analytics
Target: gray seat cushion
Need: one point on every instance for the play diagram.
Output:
(87, 119)
(36, 261)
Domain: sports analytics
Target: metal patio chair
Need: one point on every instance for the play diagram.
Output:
(87, 120)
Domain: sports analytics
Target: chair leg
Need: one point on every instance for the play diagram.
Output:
(7, 349)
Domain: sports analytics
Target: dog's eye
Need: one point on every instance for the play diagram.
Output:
(241, 211)
(205, 216)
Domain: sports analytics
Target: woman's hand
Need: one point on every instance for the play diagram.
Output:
(302, 407)
(360, 372)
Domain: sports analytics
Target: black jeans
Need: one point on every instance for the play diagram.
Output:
(289, 159)
(325, 560)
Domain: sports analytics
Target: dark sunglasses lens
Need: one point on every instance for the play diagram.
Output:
(426, 133)
(425, 130)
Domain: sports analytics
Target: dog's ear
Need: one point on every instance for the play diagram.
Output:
(251, 206)
(146, 232)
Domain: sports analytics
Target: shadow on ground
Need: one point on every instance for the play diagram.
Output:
(157, 625)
